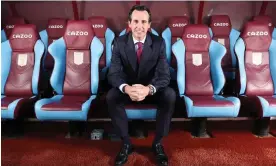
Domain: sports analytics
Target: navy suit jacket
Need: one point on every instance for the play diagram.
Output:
(153, 68)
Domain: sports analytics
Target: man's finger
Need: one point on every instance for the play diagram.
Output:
(138, 85)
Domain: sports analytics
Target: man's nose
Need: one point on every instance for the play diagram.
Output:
(139, 25)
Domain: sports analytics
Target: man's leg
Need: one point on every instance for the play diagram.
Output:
(116, 101)
(166, 103)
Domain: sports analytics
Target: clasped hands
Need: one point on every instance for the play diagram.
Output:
(137, 92)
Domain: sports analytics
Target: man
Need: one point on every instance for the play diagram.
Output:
(139, 70)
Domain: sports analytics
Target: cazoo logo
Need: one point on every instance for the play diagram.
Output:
(257, 33)
(221, 24)
(97, 26)
(179, 25)
(55, 26)
(77, 33)
(197, 36)
(10, 26)
(22, 36)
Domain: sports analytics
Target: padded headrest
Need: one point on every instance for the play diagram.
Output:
(11, 22)
(23, 37)
(196, 37)
(265, 19)
(177, 24)
(56, 27)
(221, 25)
(99, 25)
(78, 34)
(256, 36)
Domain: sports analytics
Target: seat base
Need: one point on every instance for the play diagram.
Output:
(13, 107)
(76, 129)
(71, 108)
(199, 128)
(261, 127)
(211, 106)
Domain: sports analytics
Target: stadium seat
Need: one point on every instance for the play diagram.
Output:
(256, 53)
(20, 71)
(55, 30)
(268, 20)
(221, 31)
(106, 35)
(171, 34)
(75, 75)
(200, 77)
(11, 22)
(128, 30)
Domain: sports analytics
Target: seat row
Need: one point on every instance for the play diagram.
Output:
(76, 74)
(220, 29)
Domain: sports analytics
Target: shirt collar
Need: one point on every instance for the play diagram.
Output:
(136, 41)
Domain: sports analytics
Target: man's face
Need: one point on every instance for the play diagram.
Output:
(139, 24)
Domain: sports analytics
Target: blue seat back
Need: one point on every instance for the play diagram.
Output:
(20, 62)
(256, 53)
(199, 58)
(55, 30)
(76, 55)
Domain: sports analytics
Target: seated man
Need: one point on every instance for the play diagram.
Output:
(139, 70)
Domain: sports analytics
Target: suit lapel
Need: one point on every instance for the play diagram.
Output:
(146, 56)
(130, 52)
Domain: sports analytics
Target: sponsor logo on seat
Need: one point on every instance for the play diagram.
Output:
(221, 24)
(197, 36)
(179, 25)
(257, 33)
(270, 24)
(55, 26)
(10, 26)
(22, 36)
(77, 33)
(97, 26)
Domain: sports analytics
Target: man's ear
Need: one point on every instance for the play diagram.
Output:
(128, 23)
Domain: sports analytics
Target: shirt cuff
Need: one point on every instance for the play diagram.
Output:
(121, 87)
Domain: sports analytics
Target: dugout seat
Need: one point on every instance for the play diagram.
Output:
(256, 53)
(106, 35)
(221, 31)
(55, 30)
(171, 34)
(75, 76)
(20, 71)
(200, 77)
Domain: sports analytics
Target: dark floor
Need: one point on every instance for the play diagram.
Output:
(232, 144)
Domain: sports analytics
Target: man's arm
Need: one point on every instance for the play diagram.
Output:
(116, 77)
(161, 77)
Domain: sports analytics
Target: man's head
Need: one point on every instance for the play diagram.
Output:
(139, 20)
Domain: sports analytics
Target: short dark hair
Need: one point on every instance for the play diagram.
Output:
(139, 8)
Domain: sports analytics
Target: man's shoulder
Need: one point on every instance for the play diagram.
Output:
(156, 39)
(122, 39)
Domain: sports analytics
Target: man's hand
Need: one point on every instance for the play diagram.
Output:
(131, 92)
(143, 91)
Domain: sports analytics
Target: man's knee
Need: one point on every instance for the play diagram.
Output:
(169, 95)
(113, 95)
